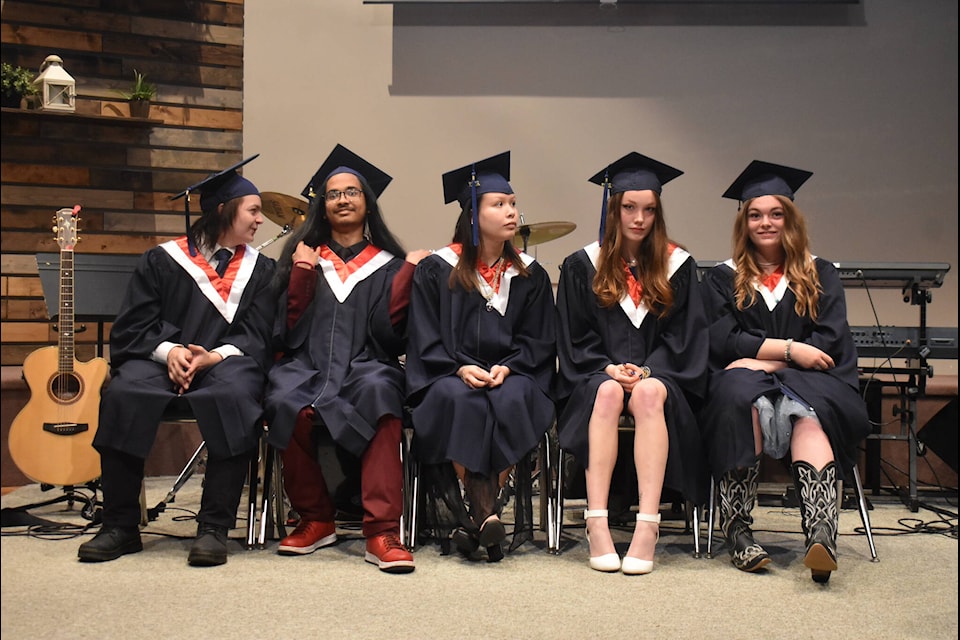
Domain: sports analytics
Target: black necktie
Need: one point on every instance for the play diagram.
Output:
(223, 259)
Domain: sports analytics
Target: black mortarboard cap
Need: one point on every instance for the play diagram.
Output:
(766, 179)
(215, 189)
(632, 172)
(342, 160)
(466, 184)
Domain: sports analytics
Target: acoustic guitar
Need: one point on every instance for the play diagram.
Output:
(51, 439)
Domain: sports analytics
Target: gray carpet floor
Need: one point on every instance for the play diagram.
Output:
(911, 592)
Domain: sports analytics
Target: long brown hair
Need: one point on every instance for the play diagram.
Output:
(465, 272)
(610, 282)
(798, 264)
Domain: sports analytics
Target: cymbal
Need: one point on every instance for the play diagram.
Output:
(284, 209)
(541, 232)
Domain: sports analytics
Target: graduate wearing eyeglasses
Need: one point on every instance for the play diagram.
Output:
(341, 328)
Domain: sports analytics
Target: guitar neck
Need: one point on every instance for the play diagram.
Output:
(66, 339)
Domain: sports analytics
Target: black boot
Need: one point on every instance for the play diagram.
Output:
(738, 494)
(817, 492)
(482, 490)
(210, 547)
(110, 543)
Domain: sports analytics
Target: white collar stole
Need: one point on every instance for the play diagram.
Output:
(770, 298)
(637, 313)
(342, 288)
(497, 300)
(226, 307)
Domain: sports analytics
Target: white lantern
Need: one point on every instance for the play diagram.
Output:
(58, 90)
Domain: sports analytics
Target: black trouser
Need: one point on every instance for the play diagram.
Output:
(121, 476)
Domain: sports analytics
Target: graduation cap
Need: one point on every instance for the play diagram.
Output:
(766, 179)
(342, 160)
(466, 184)
(215, 189)
(632, 172)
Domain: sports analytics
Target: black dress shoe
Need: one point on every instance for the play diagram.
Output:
(465, 542)
(210, 547)
(492, 532)
(110, 543)
(495, 553)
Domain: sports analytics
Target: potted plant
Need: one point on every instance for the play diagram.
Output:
(17, 85)
(139, 95)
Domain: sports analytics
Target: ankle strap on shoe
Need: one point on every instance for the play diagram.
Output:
(596, 513)
(648, 517)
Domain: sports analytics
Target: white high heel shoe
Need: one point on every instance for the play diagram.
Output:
(635, 566)
(608, 562)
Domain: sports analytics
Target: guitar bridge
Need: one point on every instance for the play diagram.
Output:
(64, 428)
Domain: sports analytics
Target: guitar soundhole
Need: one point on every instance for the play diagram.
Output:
(65, 387)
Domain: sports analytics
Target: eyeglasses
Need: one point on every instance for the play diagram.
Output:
(350, 192)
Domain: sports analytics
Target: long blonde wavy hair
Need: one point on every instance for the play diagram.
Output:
(798, 265)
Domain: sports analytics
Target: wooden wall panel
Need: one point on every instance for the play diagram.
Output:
(121, 170)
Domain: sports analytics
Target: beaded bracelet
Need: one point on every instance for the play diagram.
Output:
(786, 351)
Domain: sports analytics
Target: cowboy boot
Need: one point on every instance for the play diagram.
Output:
(817, 491)
(738, 494)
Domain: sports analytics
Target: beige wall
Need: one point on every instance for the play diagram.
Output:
(864, 95)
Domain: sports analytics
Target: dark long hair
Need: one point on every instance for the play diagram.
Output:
(466, 269)
(316, 230)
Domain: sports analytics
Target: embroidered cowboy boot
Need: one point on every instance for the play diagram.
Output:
(738, 494)
(817, 491)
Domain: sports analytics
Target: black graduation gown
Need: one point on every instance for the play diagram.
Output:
(674, 347)
(172, 298)
(726, 419)
(341, 356)
(485, 430)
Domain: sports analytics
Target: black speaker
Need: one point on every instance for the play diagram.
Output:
(940, 434)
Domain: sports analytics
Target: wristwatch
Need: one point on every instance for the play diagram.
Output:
(644, 372)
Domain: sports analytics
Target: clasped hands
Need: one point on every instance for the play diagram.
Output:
(627, 374)
(478, 377)
(183, 363)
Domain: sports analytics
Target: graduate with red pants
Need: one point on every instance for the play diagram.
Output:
(341, 327)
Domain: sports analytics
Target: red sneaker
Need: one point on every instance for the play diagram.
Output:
(386, 551)
(309, 536)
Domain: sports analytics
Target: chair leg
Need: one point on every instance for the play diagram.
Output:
(543, 482)
(404, 512)
(279, 507)
(558, 503)
(253, 478)
(547, 507)
(694, 512)
(266, 497)
(711, 516)
(864, 514)
(411, 494)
